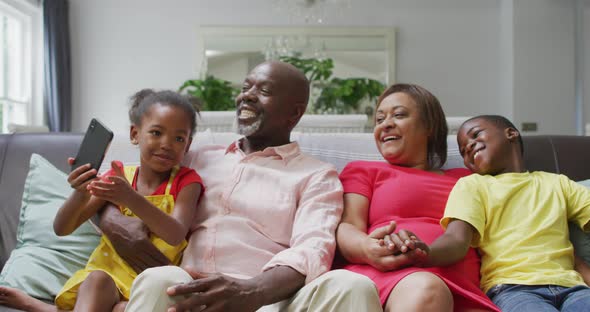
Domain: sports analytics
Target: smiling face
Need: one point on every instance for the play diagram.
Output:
(163, 136)
(486, 147)
(400, 134)
(272, 99)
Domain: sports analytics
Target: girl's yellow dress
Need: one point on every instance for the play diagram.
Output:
(104, 257)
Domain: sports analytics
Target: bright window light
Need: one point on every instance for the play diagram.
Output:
(19, 65)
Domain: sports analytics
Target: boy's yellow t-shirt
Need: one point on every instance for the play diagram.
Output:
(521, 223)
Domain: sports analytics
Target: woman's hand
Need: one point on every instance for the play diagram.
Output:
(406, 242)
(387, 251)
(374, 249)
(358, 247)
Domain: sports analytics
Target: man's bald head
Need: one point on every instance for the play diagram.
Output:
(295, 81)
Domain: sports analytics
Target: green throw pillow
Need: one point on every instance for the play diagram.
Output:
(42, 261)
(579, 238)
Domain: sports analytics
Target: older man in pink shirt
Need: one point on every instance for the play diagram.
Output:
(263, 236)
(255, 215)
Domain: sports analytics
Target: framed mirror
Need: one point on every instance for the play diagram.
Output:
(230, 53)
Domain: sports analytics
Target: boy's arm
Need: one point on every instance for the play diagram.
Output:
(464, 217)
(452, 246)
(578, 203)
(583, 269)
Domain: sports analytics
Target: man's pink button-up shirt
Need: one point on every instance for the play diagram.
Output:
(269, 208)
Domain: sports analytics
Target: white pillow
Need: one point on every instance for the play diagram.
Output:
(341, 148)
(454, 159)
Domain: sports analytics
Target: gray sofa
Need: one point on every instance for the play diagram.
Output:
(569, 155)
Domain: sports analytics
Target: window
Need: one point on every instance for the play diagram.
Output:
(20, 63)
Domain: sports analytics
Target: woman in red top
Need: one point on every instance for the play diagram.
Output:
(409, 191)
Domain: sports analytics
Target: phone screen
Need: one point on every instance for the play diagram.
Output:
(94, 145)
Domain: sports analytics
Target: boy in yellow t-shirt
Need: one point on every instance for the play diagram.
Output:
(517, 219)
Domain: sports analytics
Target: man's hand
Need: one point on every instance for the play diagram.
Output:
(217, 292)
(130, 238)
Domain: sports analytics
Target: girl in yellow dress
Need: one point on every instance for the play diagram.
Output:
(160, 192)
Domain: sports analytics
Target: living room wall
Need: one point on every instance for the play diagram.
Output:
(544, 64)
(456, 48)
(587, 61)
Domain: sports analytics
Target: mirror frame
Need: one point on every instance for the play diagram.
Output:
(387, 34)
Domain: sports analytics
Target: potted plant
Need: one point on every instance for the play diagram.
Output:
(331, 95)
(215, 94)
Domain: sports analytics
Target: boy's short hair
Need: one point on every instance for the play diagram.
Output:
(500, 122)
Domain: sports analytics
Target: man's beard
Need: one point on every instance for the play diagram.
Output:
(248, 130)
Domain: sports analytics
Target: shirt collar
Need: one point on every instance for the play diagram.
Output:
(286, 152)
(233, 147)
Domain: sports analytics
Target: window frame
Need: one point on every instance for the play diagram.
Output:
(31, 10)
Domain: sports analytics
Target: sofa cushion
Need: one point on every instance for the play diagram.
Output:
(42, 261)
(15, 153)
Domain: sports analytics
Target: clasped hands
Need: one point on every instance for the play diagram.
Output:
(387, 250)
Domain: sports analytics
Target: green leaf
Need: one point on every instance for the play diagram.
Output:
(215, 94)
(332, 94)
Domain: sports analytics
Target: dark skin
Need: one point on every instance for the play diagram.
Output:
(480, 142)
(583, 269)
(130, 237)
(278, 92)
(497, 149)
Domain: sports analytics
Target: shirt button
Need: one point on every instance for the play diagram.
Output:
(106, 254)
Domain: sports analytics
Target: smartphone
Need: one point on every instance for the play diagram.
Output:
(94, 145)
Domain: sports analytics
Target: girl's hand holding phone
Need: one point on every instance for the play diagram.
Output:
(80, 177)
